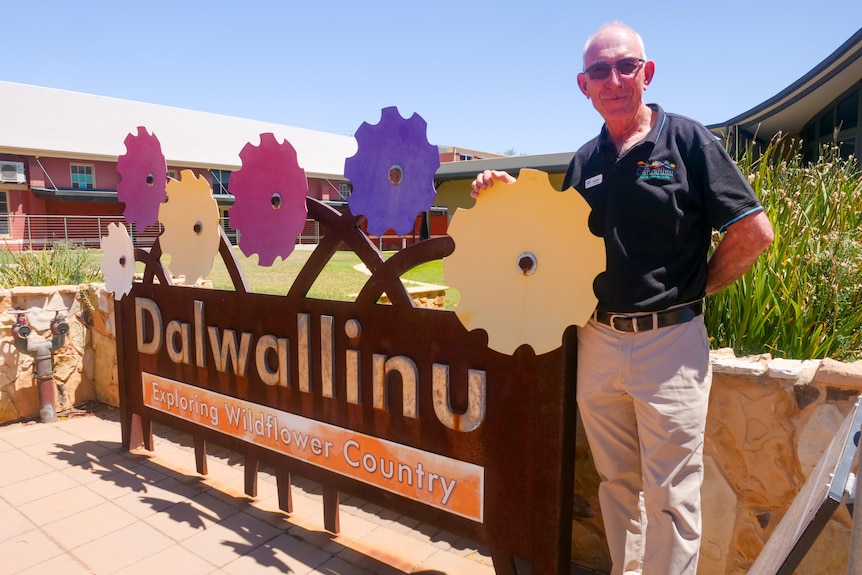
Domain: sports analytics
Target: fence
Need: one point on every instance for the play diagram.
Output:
(42, 231)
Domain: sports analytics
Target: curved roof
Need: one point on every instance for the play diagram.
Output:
(551, 163)
(789, 110)
(57, 123)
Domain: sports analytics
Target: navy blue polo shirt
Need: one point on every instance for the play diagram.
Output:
(656, 207)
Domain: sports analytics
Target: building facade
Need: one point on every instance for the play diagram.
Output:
(59, 150)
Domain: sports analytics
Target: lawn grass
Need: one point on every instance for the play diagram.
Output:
(339, 280)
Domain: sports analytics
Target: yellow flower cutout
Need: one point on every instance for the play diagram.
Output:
(524, 262)
(191, 221)
(118, 260)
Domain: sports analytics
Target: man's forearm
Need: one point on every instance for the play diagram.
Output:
(737, 251)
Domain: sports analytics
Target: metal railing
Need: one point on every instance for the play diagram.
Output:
(18, 231)
(43, 231)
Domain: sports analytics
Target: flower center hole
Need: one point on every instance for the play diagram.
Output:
(527, 263)
(396, 174)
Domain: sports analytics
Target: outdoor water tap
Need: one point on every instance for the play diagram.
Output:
(20, 329)
(42, 353)
(59, 325)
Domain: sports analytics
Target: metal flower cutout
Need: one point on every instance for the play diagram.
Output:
(524, 263)
(118, 260)
(270, 190)
(143, 178)
(392, 172)
(191, 221)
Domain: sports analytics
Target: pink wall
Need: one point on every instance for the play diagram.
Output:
(105, 173)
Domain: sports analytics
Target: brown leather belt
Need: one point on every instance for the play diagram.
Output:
(635, 322)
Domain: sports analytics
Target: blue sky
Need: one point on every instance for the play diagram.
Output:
(491, 76)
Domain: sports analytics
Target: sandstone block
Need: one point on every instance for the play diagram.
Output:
(833, 372)
(781, 368)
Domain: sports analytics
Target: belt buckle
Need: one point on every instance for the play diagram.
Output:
(615, 316)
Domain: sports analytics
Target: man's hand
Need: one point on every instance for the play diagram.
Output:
(486, 179)
(738, 249)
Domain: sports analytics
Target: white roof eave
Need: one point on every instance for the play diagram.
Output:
(50, 122)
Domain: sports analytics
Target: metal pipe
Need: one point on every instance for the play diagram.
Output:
(43, 366)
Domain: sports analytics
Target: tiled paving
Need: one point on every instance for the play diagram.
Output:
(72, 501)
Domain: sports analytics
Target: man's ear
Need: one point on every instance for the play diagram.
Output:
(649, 72)
(582, 84)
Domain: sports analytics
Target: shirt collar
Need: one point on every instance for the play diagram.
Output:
(605, 140)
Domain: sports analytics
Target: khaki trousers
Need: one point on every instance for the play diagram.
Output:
(643, 399)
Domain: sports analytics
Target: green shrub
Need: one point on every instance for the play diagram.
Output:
(65, 263)
(802, 299)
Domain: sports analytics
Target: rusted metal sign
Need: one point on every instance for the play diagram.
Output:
(398, 405)
(402, 406)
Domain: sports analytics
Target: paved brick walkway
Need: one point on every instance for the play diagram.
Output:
(73, 502)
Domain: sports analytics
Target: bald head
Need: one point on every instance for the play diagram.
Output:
(614, 32)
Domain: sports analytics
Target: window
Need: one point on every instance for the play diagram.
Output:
(809, 134)
(4, 214)
(232, 234)
(847, 148)
(836, 125)
(172, 174)
(82, 177)
(465, 157)
(345, 189)
(847, 111)
(221, 179)
(827, 123)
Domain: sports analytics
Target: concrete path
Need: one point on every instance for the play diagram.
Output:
(72, 501)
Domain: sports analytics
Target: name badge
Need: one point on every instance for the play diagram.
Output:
(594, 181)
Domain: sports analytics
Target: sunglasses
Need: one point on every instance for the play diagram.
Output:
(625, 66)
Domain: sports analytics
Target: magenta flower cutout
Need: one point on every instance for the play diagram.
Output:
(143, 178)
(270, 190)
(392, 172)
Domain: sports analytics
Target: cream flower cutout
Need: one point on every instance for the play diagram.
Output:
(118, 260)
(191, 221)
(524, 262)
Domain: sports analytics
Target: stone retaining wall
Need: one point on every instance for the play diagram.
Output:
(85, 368)
(770, 421)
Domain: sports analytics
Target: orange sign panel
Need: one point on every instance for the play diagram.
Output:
(452, 485)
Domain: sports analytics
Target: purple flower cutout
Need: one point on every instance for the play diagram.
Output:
(143, 178)
(270, 209)
(392, 172)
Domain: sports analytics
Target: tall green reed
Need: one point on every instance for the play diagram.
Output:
(802, 299)
(65, 263)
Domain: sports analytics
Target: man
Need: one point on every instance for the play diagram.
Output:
(658, 184)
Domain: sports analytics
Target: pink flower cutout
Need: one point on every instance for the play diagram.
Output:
(143, 178)
(270, 209)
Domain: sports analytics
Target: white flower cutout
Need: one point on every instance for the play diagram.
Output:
(524, 262)
(118, 260)
(191, 221)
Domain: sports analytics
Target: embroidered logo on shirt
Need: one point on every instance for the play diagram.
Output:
(594, 181)
(656, 170)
